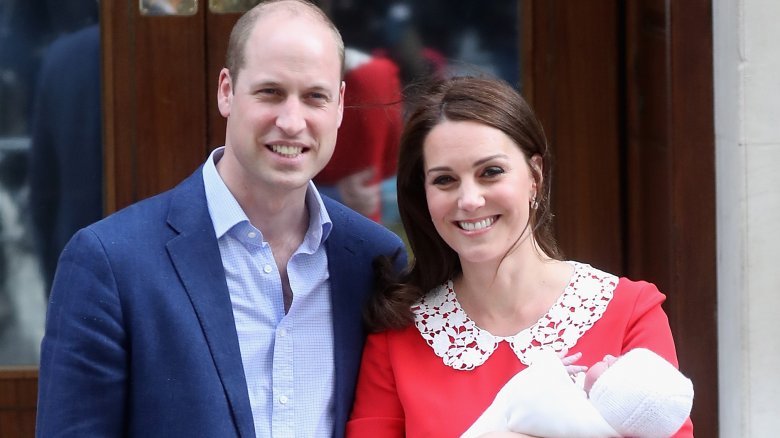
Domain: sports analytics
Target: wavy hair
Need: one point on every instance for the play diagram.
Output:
(488, 101)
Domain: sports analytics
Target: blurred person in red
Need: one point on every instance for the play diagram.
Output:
(368, 139)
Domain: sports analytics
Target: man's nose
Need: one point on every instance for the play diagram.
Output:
(291, 119)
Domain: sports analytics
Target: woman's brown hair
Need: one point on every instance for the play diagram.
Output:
(491, 102)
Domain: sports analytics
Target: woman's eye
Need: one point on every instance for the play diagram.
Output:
(442, 180)
(492, 171)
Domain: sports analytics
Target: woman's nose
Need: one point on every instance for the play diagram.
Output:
(470, 197)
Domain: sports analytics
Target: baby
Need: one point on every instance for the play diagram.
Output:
(639, 394)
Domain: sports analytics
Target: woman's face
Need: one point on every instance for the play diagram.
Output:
(479, 187)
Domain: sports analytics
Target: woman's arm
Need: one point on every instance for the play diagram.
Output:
(377, 411)
(649, 328)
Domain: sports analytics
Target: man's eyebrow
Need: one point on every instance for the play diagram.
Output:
(265, 83)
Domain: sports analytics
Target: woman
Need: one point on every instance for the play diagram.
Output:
(488, 287)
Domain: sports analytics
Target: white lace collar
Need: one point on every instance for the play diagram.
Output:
(464, 346)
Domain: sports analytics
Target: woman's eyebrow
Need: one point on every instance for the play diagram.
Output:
(477, 163)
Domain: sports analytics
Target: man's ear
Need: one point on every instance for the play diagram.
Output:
(341, 101)
(225, 92)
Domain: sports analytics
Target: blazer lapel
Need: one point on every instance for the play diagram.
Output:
(196, 257)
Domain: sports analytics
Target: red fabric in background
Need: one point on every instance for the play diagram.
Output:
(371, 127)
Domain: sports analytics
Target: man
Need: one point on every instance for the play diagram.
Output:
(66, 150)
(230, 305)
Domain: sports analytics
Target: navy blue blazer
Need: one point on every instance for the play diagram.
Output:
(140, 338)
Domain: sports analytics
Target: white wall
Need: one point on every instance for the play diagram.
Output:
(746, 43)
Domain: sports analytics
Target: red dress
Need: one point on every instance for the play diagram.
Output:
(406, 389)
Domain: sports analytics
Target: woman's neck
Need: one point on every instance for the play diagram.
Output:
(507, 297)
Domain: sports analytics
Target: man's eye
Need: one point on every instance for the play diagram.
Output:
(492, 171)
(319, 96)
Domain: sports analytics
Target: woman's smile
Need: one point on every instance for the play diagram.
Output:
(477, 225)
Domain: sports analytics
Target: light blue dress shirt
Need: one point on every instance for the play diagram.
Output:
(288, 358)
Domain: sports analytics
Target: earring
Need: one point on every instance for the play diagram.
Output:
(534, 203)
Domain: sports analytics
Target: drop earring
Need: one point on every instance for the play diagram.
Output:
(534, 203)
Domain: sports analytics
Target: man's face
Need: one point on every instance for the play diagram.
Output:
(284, 108)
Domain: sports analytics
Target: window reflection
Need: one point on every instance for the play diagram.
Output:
(168, 7)
(435, 36)
(420, 39)
(27, 31)
(228, 6)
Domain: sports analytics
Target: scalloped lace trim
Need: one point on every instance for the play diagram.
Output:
(464, 346)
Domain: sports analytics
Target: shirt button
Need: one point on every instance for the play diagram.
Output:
(252, 234)
(282, 332)
(267, 269)
(283, 399)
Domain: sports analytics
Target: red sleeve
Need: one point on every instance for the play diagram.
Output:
(649, 328)
(377, 412)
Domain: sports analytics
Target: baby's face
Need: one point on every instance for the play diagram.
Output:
(597, 370)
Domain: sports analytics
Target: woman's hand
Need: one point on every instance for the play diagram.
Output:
(568, 362)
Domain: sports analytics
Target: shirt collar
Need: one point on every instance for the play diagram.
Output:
(226, 212)
(463, 345)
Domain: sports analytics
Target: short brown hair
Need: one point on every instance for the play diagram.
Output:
(235, 57)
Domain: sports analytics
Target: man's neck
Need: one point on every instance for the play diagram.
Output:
(277, 214)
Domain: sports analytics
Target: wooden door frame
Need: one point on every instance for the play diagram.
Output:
(624, 90)
(155, 93)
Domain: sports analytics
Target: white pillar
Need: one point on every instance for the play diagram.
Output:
(746, 44)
